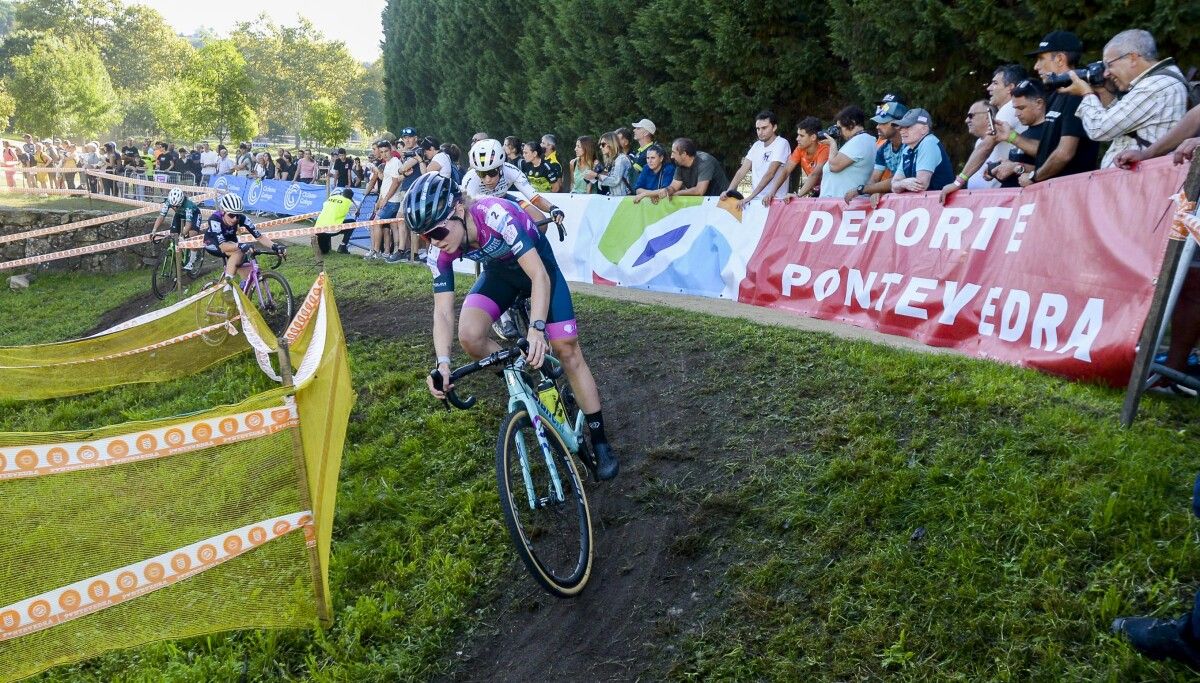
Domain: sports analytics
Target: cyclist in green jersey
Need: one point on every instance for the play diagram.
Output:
(185, 221)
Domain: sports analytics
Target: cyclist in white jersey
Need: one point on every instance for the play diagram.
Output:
(492, 176)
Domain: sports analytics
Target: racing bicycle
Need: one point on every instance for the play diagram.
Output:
(542, 498)
(268, 289)
(163, 278)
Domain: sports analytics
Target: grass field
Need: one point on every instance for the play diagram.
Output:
(859, 512)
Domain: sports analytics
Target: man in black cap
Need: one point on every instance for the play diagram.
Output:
(1064, 148)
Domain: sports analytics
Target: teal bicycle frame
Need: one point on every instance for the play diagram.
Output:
(521, 395)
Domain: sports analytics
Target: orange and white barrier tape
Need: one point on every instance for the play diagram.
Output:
(79, 251)
(227, 324)
(295, 232)
(77, 192)
(134, 180)
(307, 308)
(77, 225)
(23, 462)
(131, 581)
(197, 242)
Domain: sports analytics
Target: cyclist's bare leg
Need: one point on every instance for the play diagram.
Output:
(474, 326)
(233, 257)
(578, 373)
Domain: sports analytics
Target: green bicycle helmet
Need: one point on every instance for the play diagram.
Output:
(429, 202)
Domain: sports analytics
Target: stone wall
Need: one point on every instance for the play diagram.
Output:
(126, 258)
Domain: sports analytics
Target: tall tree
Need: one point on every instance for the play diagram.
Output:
(218, 93)
(7, 106)
(291, 66)
(326, 122)
(61, 89)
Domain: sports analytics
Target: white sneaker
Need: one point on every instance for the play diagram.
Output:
(371, 255)
(422, 254)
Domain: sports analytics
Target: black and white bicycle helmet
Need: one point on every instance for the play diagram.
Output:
(429, 201)
(230, 203)
(175, 197)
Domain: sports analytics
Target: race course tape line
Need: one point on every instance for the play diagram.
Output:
(26, 461)
(134, 580)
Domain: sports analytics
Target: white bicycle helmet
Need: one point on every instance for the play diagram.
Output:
(230, 203)
(487, 155)
(175, 197)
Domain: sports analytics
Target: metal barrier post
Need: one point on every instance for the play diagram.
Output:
(1159, 311)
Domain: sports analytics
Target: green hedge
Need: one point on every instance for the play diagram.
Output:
(703, 68)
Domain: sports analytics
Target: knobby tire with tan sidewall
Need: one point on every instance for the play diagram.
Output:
(162, 278)
(559, 581)
(281, 296)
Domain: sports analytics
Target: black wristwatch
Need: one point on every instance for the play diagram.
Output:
(860, 188)
(539, 325)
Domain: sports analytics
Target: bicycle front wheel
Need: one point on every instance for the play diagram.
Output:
(275, 301)
(162, 278)
(553, 536)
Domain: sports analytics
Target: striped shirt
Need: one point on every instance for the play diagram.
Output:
(1152, 106)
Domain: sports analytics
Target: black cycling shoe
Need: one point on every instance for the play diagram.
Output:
(1158, 638)
(607, 464)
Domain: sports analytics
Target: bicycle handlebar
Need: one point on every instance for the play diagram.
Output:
(503, 356)
(562, 232)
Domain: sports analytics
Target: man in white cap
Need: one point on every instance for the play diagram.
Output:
(643, 133)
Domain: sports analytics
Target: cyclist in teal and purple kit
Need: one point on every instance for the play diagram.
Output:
(516, 262)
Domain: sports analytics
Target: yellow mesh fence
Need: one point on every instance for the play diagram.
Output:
(179, 526)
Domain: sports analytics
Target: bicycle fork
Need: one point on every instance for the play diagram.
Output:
(520, 397)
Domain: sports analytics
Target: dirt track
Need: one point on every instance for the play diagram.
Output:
(658, 525)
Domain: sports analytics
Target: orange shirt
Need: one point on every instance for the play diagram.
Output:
(810, 163)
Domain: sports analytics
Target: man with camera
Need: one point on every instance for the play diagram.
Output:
(1064, 148)
(1150, 98)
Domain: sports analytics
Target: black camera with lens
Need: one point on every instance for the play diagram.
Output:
(833, 133)
(1092, 74)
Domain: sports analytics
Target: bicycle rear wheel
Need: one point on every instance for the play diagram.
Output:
(553, 538)
(162, 278)
(275, 301)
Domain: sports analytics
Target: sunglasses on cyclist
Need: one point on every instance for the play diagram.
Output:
(441, 231)
(488, 174)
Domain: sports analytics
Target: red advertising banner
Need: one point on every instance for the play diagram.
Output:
(1057, 276)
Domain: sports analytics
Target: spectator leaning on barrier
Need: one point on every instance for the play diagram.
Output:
(809, 156)
(208, 163)
(244, 164)
(436, 160)
(585, 160)
(1154, 95)
(613, 178)
(849, 167)
(224, 161)
(697, 173)
(306, 168)
(766, 157)
(656, 175)
(888, 150)
(1065, 148)
(924, 163)
(1029, 105)
(989, 150)
(643, 133)
(541, 174)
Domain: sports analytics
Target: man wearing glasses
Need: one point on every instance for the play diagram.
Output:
(516, 262)
(1155, 95)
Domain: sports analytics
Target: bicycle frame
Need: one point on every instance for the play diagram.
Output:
(521, 395)
(254, 278)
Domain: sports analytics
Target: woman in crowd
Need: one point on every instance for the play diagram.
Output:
(512, 150)
(357, 173)
(283, 166)
(585, 160)
(70, 160)
(42, 159)
(625, 140)
(850, 166)
(657, 174)
(306, 167)
(612, 179)
(264, 167)
(9, 159)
